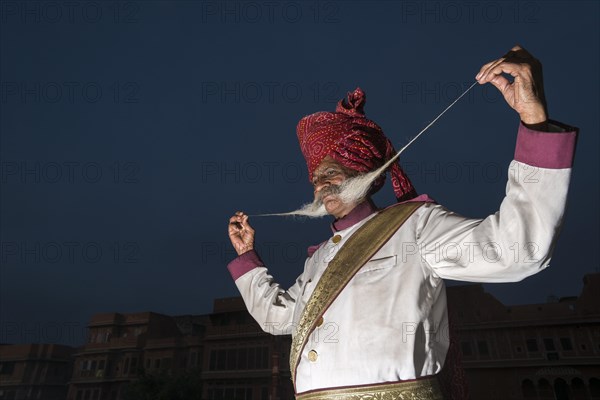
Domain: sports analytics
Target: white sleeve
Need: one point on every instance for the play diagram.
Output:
(270, 305)
(508, 246)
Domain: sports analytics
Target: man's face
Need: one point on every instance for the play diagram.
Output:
(328, 176)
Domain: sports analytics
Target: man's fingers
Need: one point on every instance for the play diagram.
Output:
(486, 68)
(500, 82)
(514, 69)
(516, 55)
(235, 219)
(520, 52)
(245, 224)
(239, 222)
(235, 224)
(483, 69)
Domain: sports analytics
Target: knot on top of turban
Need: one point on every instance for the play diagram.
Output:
(354, 141)
(353, 104)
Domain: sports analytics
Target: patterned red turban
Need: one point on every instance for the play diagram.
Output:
(352, 140)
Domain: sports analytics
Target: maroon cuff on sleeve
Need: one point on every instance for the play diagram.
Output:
(553, 150)
(244, 263)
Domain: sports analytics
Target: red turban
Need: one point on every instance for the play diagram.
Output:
(352, 140)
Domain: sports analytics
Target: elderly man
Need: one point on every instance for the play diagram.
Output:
(377, 283)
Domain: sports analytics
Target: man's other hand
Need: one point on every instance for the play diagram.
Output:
(525, 94)
(241, 233)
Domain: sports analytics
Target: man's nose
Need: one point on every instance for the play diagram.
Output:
(321, 183)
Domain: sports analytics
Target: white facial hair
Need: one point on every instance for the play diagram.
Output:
(352, 190)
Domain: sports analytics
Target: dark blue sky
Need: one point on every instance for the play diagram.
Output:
(131, 131)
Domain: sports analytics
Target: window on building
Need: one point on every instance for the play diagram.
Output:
(566, 344)
(157, 363)
(7, 367)
(221, 359)
(251, 358)
(482, 348)
(212, 365)
(86, 366)
(595, 387)
(265, 357)
(230, 393)
(519, 349)
(240, 394)
(528, 389)
(242, 357)
(549, 344)
(259, 358)
(93, 367)
(231, 359)
(101, 364)
(264, 393)
(561, 389)
(87, 394)
(239, 359)
(532, 345)
(466, 348)
(79, 395)
(134, 363)
(96, 394)
(193, 358)
(216, 394)
(579, 390)
(126, 367)
(544, 389)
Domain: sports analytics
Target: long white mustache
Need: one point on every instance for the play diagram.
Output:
(352, 190)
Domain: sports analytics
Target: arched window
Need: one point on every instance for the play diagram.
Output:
(595, 388)
(528, 389)
(578, 389)
(561, 389)
(545, 391)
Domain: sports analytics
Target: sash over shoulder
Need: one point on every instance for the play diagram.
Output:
(353, 255)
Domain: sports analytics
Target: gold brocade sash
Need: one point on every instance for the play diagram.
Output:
(418, 389)
(357, 250)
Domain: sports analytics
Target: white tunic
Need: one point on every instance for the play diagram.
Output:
(390, 323)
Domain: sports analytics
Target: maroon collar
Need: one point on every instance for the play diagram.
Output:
(358, 213)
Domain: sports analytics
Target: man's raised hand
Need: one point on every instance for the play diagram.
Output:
(525, 94)
(241, 233)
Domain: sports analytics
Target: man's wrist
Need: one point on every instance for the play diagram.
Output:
(245, 249)
(540, 127)
(534, 116)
